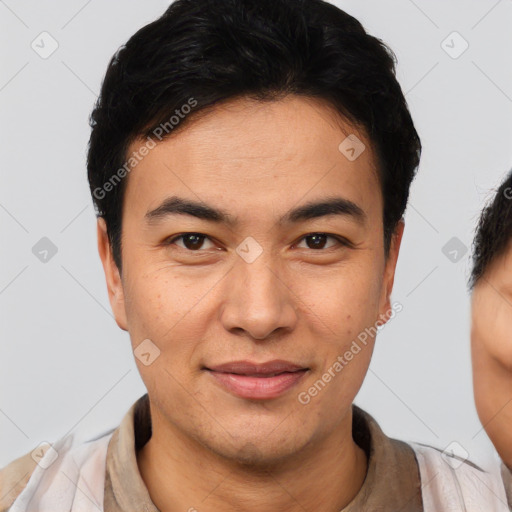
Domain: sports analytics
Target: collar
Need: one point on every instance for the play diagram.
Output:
(392, 483)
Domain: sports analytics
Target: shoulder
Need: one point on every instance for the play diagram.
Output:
(45, 473)
(15, 476)
(449, 480)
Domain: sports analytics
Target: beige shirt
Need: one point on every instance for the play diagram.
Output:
(392, 483)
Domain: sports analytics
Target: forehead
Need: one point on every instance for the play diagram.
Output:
(250, 154)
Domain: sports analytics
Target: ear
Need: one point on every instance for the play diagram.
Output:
(389, 272)
(112, 275)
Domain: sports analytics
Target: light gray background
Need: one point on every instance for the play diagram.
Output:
(64, 362)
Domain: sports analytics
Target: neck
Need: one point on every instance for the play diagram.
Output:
(181, 474)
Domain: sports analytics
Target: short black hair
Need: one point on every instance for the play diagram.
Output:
(202, 52)
(494, 230)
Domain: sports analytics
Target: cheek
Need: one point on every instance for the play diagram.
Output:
(174, 313)
(160, 312)
(148, 306)
(486, 319)
(158, 300)
(492, 325)
(348, 299)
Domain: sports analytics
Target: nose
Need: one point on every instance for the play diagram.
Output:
(258, 300)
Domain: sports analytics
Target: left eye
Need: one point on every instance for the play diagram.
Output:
(318, 240)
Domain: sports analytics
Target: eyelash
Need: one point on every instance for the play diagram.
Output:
(341, 241)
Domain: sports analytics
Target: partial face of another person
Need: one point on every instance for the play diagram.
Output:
(491, 351)
(492, 309)
(262, 279)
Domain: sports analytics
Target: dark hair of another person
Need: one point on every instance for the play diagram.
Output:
(493, 232)
(217, 50)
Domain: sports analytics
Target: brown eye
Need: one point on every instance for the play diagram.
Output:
(191, 241)
(317, 241)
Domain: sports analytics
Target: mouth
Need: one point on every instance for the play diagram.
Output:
(256, 381)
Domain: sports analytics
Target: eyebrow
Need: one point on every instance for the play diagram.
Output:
(314, 209)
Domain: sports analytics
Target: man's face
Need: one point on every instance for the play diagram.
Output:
(256, 290)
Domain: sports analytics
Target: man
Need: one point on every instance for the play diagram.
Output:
(491, 350)
(250, 162)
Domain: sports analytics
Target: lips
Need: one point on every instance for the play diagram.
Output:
(257, 380)
(257, 369)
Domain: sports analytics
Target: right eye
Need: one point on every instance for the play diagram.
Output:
(191, 241)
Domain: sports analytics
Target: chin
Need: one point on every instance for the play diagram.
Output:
(260, 452)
